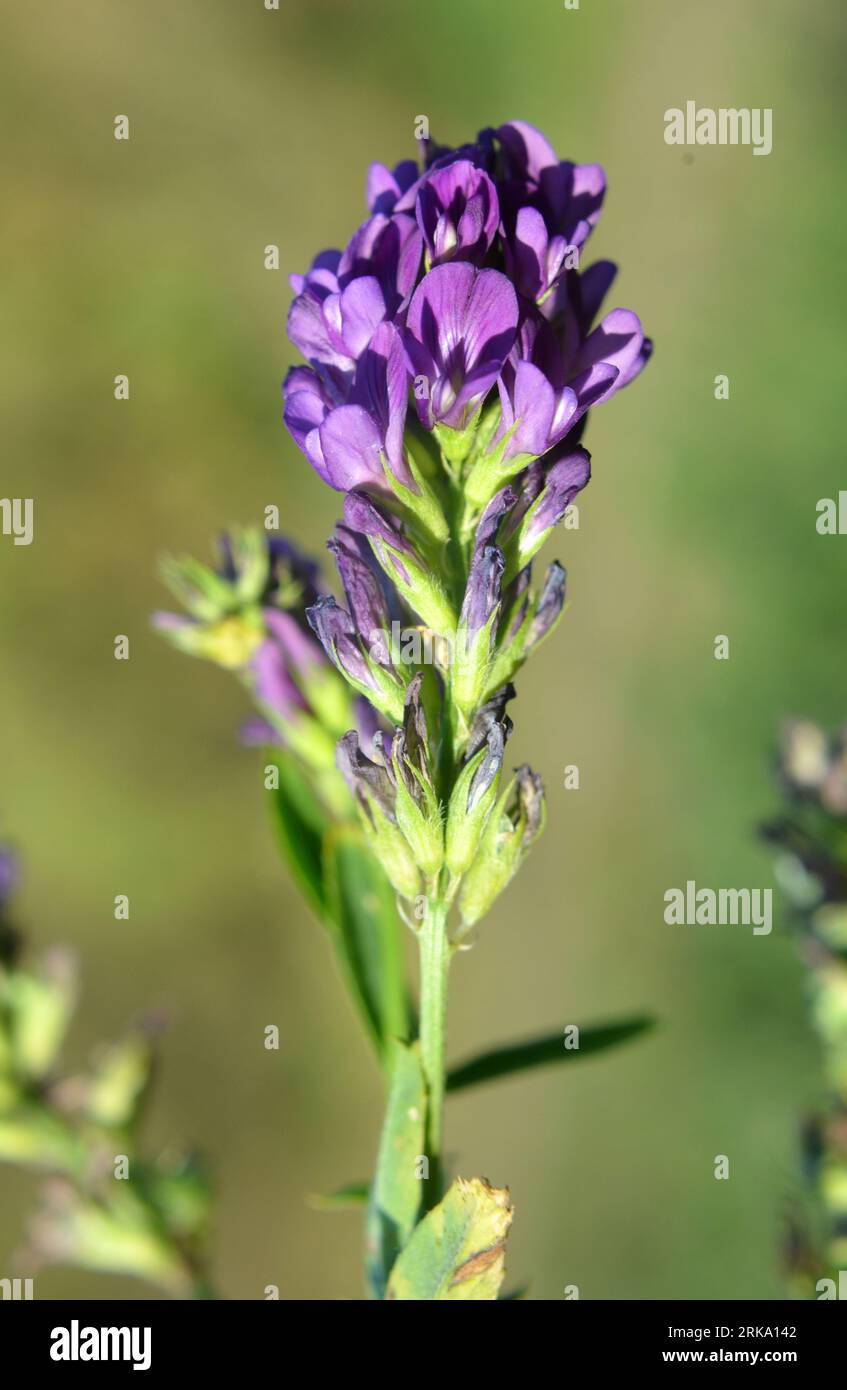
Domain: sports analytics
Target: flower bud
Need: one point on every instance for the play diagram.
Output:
(120, 1234)
(230, 642)
(477, 625)
(513, 827)
(373, 788)
(416, 582)
(416, 805)
(339, 638)
(550, 605)
(473, 797)
(366, 589)
(563, 481)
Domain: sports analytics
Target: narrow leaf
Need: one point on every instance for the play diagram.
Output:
(395, 1195)
(300, 826)
(361, 911)
(538, 1052)
(355, 1194)
(458, 1250)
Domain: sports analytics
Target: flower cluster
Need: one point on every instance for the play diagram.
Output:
(464, 276)
(104, 1206)
(452, 360)
(811, 838)
(247, 615)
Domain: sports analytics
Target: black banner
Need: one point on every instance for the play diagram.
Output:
(85, 1339)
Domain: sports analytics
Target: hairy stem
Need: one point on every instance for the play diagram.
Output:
(435, 963)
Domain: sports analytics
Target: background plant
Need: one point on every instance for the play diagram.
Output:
(810, 836)
(106, 1205)
(463, 277)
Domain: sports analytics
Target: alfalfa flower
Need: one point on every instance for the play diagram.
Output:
(453, 350)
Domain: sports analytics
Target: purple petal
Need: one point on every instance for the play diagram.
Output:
(304, 411)
(382, 387)
(594, 285)
(365, 589)
(593, 386)
(351, 446)
(336, 632)
(352, 315)
(549, 605)
(258, 733)
(273, 684)
(617, 341)
(529, 151)
(308, 331)
(9, 875)
(564, 480)
(458, 212)
(482, 593)
(385, 186)
(298, 647)
(460, 327)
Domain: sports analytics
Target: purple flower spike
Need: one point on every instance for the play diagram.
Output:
(336, 632)
(458, 213)
(353, 439)
(459, 330)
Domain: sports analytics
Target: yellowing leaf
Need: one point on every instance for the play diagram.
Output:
(458, 1250)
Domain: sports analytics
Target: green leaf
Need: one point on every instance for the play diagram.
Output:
(119, 1082)
(355, 1194)
(33, 1136)
(538, 1052)
(301, 825)
(458, 1250)
(361, 911)
(395, 1195)
(40, 1007)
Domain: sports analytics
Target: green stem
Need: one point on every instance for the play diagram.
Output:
(435, 964)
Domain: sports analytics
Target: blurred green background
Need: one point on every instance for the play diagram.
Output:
(251, 127)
